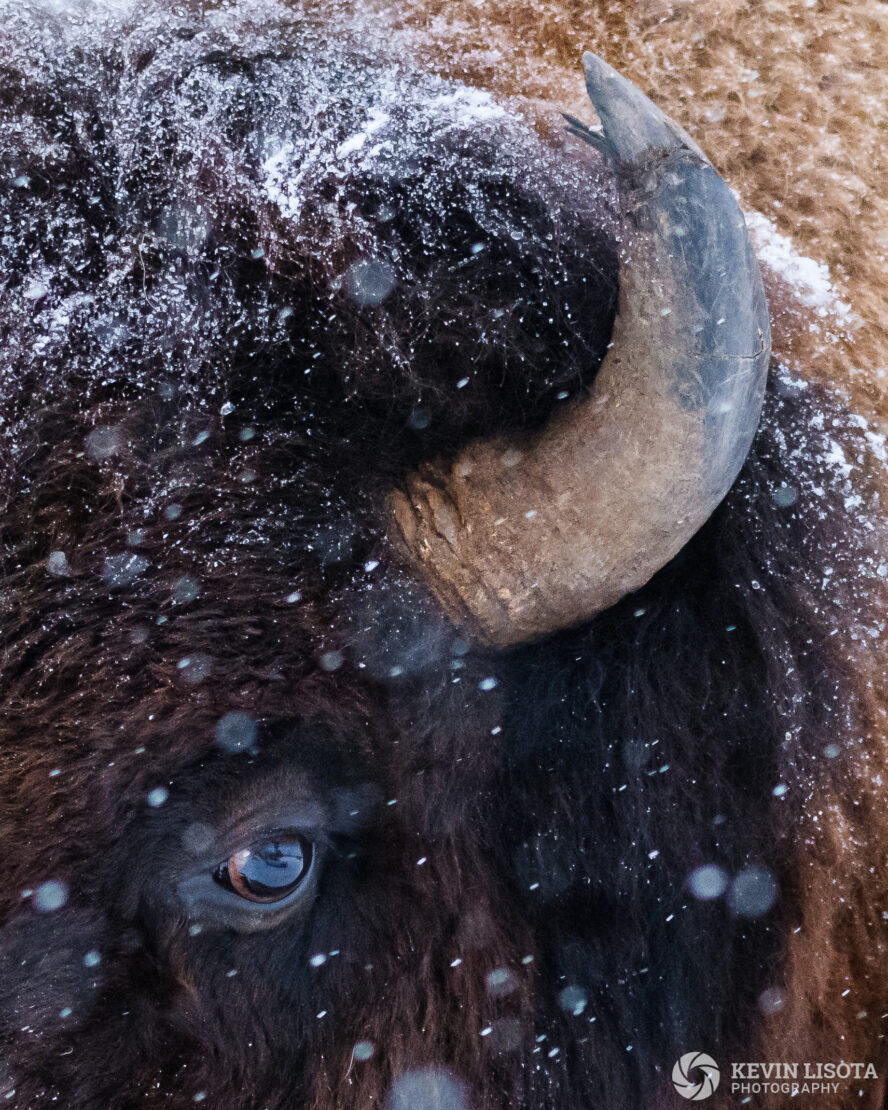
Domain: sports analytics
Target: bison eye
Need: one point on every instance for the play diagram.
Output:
(266, 872)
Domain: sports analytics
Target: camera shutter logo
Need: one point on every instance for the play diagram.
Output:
(695, 1076)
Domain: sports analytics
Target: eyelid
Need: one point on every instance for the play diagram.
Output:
(333, 827)
(306, 816)
(218, 844)
(204, 901)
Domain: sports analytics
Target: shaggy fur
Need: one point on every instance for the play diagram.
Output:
(204, 408)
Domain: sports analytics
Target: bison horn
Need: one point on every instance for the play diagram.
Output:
(518, 543)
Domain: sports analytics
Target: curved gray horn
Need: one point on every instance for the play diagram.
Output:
(518, 545)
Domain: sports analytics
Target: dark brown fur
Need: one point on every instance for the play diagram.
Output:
(544, 828)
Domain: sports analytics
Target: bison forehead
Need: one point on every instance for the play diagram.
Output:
(293, 221)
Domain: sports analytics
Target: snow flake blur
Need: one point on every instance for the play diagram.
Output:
(262, 266)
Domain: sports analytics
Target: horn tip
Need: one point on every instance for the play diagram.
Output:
(595, 67)
(597, 73)
(633, 125)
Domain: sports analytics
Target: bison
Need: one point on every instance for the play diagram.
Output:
(435, 663)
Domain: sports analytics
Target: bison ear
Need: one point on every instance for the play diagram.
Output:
(518, 541)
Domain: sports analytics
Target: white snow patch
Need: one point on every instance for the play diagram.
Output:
(876, 442)
(467, 106)
(378, 118)
(810, 279)
(836, 459)
(402, 113)
(86, 7)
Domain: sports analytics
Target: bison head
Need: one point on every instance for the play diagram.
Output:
(322, 787)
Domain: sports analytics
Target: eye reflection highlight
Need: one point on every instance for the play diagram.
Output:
(266, 872)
